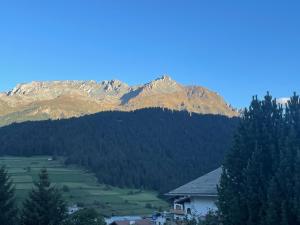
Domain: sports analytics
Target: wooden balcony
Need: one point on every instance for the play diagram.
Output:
(178, 212)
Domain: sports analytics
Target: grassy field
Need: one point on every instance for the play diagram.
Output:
(81, 187)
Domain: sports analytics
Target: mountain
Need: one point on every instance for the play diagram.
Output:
(151, 148)
(65, 99)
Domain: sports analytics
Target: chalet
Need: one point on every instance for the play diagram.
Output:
(196, 198)
(132, 222)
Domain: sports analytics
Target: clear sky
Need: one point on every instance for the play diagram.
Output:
(237, 48)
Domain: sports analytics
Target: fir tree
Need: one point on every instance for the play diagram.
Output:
(274, 200)
(45, 205)
(288, 170)
(297, 188)
(8, 211)
(250, 165)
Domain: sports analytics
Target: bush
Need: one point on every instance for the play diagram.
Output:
(80, 204)
(86, 217)
(211, 218)
(97, 203)
(65, 188)
(148, 206)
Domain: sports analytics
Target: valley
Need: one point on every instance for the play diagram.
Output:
(149, 112)
(80, 187)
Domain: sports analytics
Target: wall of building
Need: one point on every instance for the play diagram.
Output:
(200, 206)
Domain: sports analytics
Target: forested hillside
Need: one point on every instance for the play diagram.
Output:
(150, 148)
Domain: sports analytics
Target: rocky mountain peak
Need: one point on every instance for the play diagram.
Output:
(24, 88)
(114, 85)
(51, 89)
(63, 99)
(166, 79)
(164, 84)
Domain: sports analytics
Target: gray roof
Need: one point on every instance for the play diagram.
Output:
(202, 186)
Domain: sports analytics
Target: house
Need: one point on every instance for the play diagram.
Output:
(121, 218)
(196, 198)
(72, 209)
(133, 222)
(161, 218)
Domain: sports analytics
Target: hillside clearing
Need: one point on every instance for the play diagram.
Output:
(81, 187)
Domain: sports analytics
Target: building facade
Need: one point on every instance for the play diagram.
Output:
(196, 198)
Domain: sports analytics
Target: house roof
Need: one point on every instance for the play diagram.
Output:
(202, 186)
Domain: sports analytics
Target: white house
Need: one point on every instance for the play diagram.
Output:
(196, 198)
(73, 209)
(161, 218)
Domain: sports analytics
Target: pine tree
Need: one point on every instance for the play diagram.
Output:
(297, 188)
(8, 211)
(250, 165)
(274, 203)
(253, 188)
(288, 170)
(45, 205)
(231, 200)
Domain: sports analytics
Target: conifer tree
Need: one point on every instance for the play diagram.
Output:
(297, 188)
(288, 170)
(8, 211)
(231, 204)
(274, 203)
(45, 205)
(249, 167)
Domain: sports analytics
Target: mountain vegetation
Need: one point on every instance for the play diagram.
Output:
(87, 216)
(80, 187)
(260, 184)
(150, 148)
(8, 209)
(45, 204)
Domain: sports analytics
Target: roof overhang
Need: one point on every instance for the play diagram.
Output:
(192, 194)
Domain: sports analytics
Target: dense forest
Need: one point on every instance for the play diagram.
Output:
(150, 148)
(260, 183)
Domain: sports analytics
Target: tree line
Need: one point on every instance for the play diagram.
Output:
(44, 205)
(149, 148)
(260, 183)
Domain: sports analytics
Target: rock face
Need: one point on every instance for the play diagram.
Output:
(65, 99)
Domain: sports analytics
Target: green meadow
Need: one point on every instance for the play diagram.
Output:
(80, 187)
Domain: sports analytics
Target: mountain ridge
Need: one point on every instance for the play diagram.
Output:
(39, 100)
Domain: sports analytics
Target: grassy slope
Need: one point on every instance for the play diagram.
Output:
(83, 187)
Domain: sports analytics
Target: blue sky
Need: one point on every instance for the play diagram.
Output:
(237, 48)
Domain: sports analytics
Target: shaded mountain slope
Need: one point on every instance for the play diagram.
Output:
(151, 148)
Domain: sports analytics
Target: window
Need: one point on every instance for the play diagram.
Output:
(188, 211)
(178, 207)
